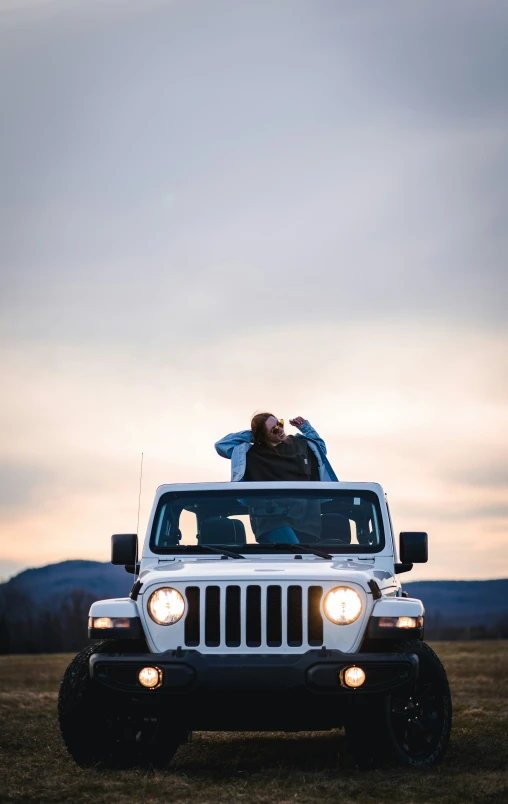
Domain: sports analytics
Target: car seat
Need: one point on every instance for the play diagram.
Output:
(335, 528)
(221, 530)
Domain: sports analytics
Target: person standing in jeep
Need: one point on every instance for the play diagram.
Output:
(265, 452)
(277, 456)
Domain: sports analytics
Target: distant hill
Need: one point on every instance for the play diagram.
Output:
(46, 609)
(461, 602)
(100, 579)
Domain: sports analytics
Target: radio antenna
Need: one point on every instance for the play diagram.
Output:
(139, 499)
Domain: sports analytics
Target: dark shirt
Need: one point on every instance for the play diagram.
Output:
(292, 459)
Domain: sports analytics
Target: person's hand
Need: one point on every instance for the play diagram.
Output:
(298, 421)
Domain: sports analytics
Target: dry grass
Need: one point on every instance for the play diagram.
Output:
(259, 768)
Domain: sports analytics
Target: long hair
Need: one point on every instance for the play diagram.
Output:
(259, 431)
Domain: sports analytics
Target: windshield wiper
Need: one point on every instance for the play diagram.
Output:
(302, 548)
(227, 553)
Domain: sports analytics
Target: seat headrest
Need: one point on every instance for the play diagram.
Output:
(335, 527)
(221, 530)
(241, 536)
(173, 538)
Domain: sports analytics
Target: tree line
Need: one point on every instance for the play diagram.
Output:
(60, 626)
(441, 630)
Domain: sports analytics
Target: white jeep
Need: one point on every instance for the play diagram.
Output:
(260, 606)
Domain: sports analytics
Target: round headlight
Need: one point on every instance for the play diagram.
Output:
(166, 606)
(342, 605)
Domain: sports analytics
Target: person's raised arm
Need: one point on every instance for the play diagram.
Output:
(226, 445)
(308, 431)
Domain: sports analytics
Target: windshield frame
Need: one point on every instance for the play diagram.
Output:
(256, 548)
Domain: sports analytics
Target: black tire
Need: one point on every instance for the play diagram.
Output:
(99, 730)
(419, 716)
(412, 725)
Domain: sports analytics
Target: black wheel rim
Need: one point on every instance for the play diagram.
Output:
(417, 716)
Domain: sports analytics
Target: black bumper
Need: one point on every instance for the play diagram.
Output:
(317, 671)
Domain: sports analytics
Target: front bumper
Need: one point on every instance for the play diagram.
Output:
(317, 671)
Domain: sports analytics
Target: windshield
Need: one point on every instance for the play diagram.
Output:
(265, 521)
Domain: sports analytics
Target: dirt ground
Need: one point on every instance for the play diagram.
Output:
(213, 767)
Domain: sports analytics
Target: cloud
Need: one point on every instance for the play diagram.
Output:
(18, 484)
(485, 473)
(354, 179)
(457, 510)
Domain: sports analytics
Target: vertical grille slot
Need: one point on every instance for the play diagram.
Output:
(253, 617)
(233, 632)
(294, 616)
(314, 618)
(192, 618)
(212, 617)
(274, 616)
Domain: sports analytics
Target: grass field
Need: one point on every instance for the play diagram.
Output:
(35, 767)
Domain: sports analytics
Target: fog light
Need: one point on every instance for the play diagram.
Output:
(150, 677)
(354, 677)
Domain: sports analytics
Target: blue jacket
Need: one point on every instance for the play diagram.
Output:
(236, 445)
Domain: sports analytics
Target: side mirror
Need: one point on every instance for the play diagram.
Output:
(402, 568)
(414, 548)
(124, 550)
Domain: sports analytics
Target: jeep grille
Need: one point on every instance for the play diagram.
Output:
(254, 616)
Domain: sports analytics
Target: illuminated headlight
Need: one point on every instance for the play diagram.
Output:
(342, 605)
(109, 622)
(166, 606)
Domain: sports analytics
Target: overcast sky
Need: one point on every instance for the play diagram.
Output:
(210, 208)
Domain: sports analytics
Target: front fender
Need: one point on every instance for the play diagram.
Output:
(114, 619)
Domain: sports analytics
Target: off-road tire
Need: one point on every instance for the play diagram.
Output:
(419, 716)
(99, 731)
(412, 725)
